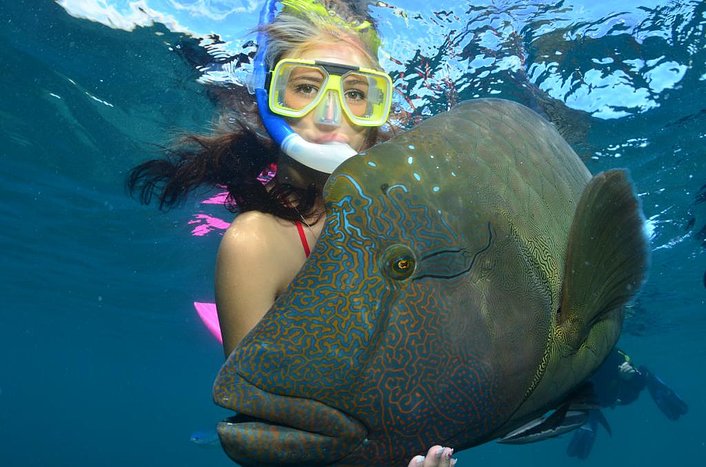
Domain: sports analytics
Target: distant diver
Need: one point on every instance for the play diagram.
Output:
(618, 382)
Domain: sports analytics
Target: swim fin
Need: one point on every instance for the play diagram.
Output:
(671, 405)
(582, 442)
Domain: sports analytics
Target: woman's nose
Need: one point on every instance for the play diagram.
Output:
(328, 112)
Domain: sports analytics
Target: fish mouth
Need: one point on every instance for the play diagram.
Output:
(270, 429)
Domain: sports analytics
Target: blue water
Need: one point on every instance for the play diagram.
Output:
(104, 361)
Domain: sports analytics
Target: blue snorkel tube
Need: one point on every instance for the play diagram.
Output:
(321, 157)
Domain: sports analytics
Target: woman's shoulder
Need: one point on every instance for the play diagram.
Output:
(254, 220)
(254, 234)
(261, 247)
(252, 227)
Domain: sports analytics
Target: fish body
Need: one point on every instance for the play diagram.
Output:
(471, 274)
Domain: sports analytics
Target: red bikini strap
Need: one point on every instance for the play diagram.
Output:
(302, 236)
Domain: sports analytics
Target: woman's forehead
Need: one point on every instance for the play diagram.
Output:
(335, 52)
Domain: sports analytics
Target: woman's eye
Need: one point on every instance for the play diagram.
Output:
(306, 89)
(355, 95)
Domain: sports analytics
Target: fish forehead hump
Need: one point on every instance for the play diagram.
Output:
(487, 160)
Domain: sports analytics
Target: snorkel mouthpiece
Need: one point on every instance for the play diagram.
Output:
(322, 157)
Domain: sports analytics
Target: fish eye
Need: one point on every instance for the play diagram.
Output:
(398, 262)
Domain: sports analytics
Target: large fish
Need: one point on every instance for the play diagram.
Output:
(470, 276)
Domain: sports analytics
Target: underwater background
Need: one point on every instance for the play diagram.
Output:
(104, 361)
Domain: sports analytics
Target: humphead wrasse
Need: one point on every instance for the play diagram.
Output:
(470, 276)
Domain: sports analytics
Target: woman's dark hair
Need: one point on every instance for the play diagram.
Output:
(236, 160)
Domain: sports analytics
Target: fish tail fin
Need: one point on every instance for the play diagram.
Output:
(606, 261)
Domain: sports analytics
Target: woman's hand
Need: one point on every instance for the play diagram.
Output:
(437, 456)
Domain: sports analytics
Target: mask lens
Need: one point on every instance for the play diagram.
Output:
(356, 89)
(296, 88)
(367, 97)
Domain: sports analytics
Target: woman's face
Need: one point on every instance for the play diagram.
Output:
(307, 126)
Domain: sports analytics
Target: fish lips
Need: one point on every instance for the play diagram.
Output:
(271, 429)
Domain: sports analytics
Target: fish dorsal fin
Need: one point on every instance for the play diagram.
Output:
(606, 262)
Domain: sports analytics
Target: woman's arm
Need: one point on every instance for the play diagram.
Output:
(246, 280)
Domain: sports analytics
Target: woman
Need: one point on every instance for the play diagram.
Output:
(324, 101)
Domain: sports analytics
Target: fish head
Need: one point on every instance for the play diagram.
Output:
(418, 319)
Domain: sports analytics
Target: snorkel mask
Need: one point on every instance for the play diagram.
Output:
(298, 87)
(337, 88)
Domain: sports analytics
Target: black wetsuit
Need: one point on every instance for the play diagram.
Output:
(612, 386)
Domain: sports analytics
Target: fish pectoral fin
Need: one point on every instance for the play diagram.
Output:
(606, 261)
(557, 423)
